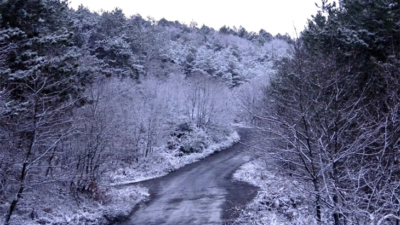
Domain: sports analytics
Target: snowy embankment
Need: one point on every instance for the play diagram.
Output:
(157, 165)
(165, 162)
(112, 200)
(281, 199)
(51, 206)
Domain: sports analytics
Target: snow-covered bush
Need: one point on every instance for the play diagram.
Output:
(194, 142)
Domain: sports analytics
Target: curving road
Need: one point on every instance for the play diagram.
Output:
(199, 193)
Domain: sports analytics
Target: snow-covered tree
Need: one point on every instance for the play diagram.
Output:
(331, 107)
(42, 84)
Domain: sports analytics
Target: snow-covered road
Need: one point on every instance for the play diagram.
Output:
(199, 193)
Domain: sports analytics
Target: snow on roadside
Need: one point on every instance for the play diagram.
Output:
(49, 205)
(281, 200)
(164, 162)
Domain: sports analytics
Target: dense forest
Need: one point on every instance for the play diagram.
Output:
(86, 95)
(331, 112)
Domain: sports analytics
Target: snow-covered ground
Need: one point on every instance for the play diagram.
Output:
(165, 162)
(51, 204)
(281, 199)
(46, 206)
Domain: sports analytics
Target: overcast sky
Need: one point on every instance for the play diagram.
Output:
(274, 16)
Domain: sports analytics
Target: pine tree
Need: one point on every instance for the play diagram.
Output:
(40, 76)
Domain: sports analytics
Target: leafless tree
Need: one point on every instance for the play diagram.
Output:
(325, 129)
(37, 126)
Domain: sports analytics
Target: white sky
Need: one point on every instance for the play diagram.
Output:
(274, 16)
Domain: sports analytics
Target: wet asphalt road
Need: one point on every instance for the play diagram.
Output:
(199, 193)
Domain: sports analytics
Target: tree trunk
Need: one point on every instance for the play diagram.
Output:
(317, 201)
(14, 203)
(24, 170)
(336, 214)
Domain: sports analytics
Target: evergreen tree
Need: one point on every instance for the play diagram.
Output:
(40, 76)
